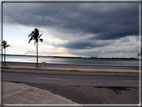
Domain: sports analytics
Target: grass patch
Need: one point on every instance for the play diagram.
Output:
(74, 70)
(5, 71)
(45, 69)
(6, 67)
(39, 69)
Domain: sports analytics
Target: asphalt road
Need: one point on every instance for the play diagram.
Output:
(82, 87)
(73, 78)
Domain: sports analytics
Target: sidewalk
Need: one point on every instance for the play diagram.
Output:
(74, 69)
(18, 93)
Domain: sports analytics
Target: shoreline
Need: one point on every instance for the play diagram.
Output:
(121, 58)
(72, 67)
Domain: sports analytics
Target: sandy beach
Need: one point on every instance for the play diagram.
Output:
(74, 67)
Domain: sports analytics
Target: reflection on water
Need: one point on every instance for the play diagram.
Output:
(72, 60)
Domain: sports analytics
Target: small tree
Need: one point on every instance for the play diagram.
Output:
(34, 35)
(5, 45)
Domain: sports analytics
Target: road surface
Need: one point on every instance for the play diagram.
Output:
(82, 87)
(73, 78)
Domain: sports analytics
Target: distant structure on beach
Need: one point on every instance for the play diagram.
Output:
(117, 58)
(96, 57)
(109, 58)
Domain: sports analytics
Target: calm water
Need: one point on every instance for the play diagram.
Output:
(48, 59)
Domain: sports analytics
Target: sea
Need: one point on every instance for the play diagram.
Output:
(68, 60)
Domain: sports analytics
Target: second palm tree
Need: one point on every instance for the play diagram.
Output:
(34, 35)
(5, 45)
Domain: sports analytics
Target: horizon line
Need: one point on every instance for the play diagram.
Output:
(72, 56)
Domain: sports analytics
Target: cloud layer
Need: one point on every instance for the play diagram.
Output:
(83, 26)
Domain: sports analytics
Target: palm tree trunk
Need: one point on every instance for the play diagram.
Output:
(37, 54)
(4, 55)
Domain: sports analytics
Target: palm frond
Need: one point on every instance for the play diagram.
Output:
(30, 40)
(41, 40)
(39, 36)
(4, 44)
(36, 32)
(8, 46)
(29, 35)
(35, 36)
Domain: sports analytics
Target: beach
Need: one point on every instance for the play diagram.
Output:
(73, 67)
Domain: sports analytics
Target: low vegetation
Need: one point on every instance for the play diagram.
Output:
(38, 69)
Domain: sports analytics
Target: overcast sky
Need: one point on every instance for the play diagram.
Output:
(73, 29)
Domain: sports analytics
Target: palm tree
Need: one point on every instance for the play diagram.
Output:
(5, 45)
(34, 35)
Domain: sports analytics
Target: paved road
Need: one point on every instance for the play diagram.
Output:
(73, 78)
(83, 88)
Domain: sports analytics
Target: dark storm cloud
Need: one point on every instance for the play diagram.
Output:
(83, 45)
(124, 27)
(107, 20)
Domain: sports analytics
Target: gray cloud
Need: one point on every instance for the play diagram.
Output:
(82, 45)
(109, 21)
(73, 21)
(85, 44)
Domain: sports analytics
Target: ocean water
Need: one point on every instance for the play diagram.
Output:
(49, 59)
